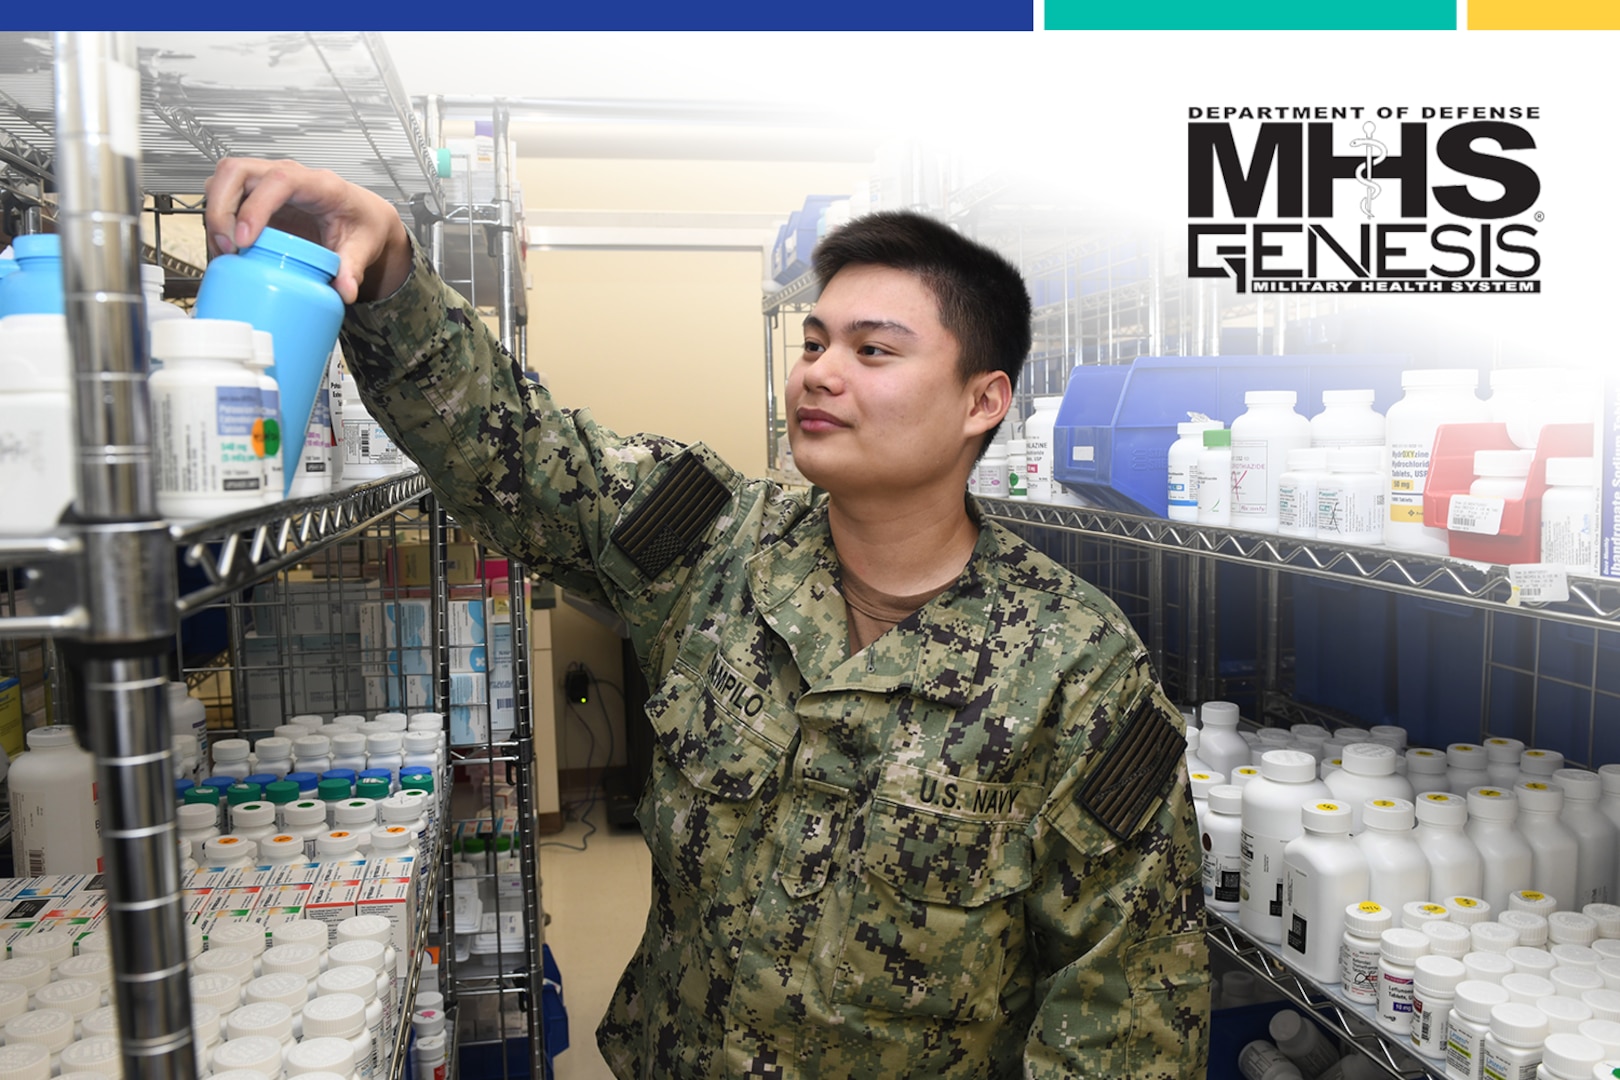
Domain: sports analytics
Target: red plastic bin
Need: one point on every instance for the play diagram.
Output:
(1451, 472)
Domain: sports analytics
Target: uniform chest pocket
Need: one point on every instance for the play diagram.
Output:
(715, 761)
(934, 914)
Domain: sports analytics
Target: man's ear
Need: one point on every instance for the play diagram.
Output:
(991, 397)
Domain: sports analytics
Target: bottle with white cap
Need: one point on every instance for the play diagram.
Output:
(51, 1029)
(1568, 1056)
(261, 1053)
(1201, 783)
(1606, 1033)
(357, 816)
(1495, 937)
(1362, 948)
(1368, 772)
(1259, 1060)
(430, 1057)
(1434, 991)
(1531, 961)
(325, 1056)
(1426, 770)
(283, 988)
(1182, 459)
(1466, 768)
(1525, 988)
(1418, 913)
(1539, 764)
(375, 929)
(1297, 492)
(312, 753)
(244, 935)
(76, 997)
(1505, 857)
(229, 852)
(1468, 1024)
(348, 750)
(1261, 439)
(1397, 976)
(384, 750)
(1467, 910)
(1571, 928)
(377, 958)
(265, 1019)
(336, 845)
(51, 946)
(1269, 739)
(1448, 939)
(1573, 982)
(1502, 761)
(343, 1015)
(1432, 397)
(1595, 835)
(303, 959)
(25, 1061)
(1455, 867)
(1513, 1045)
(1531, 927)
(396, 842)
(1323, 873)
(1604, 1003)
(253, 821)
(305, 819)
(1223, 848)
(1487, 966)
(1271, 818)
(235, 963)
(1397, 870)
(1553, 847)
(217, 991)
(13, 1001)
(95, 1055)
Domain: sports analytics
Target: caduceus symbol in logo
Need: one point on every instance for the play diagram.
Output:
(1376, 152)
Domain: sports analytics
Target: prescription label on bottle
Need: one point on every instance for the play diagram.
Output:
(1537, 583)
(1476, 514)
(206, 439)
(1250, 469)
(366, 443)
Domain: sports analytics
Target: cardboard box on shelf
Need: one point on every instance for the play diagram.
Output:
(411, 565)
(297, 608)
(333, 901)
(11, 717)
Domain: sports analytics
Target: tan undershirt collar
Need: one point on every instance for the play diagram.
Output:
(872, 613)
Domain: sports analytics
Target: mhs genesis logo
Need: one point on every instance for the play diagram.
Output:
(1342, 199)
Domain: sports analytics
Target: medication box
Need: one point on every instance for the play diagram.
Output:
(392, 898)
(11, 717)
(333, 901)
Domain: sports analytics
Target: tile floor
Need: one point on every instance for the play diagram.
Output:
(597, 900)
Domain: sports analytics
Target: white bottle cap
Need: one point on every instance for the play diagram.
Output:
(321, 1055)
(337, 1015)
(273, 748)
(429, 1022)
(1347, 397)
(1203, 781)
(1531, 928)
(50, 1028)
(1524, 988)
(1448, 939)
(1540, 762)
(1493, 937)
(357, 953)
(253, 815)
(306, 720)
(77, 997)
(24, 1061)
(259, 1052)
(1367, 918)
(1563, 1014)
(1390, 735)
(272, 1019)
(1270, 397)
(1415, 913)
(228, 847)
(51, 946)
(348, 744)
(202, 339)
(1466, 756)
(1508, 463)
(1275, 738)
(1403, 946)
(1327, 818)
(1572, 982)
(348, 980)
(104, 1021)
(1500, 751)
(1439, 974)
(1439, 807)
(289, 989)
(229, 750)
(1570, 1055)
(1579, 784)
(400, 808)
(1492, 804)
(1390, 815)
(1476, 998)
(28, 972)
(264, 351)
(281, 848)
(303, 813)
(240, 934)
(195, 817)
(397, 838)
(337, 842)
(288, 732)
(1434, 378)
(385, 743)
(421, 742)
(429, 720)
(356, 812)
(1423, 761)
(1218, 714)
(302, 932)
(1491, 967)
(366, 928)
(1243, 774)
(95, 1054)
(1535, 795)
(393, 721)
(1467, 910)
(1606, 1033)
(1226, 799)
(1605, 1003)
(96, 941)
(1368, 759)
(1533, 901)
(1571, 928)
(300, 960)
(1531, 961)
(253, 1074)
(13, 1001)
(236, 963)
(312, 746)
(1288, 766)
(1567, 955)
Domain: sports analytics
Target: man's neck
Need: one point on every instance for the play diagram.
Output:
(903, 547)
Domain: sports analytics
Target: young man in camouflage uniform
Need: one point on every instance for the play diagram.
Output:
(919, 807)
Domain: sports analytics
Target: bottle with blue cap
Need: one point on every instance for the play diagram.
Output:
(282, 284)
(35, 286)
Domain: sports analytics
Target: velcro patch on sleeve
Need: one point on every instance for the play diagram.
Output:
(1133, 773)
(677, 512)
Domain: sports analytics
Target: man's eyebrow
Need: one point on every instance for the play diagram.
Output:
(858, 326)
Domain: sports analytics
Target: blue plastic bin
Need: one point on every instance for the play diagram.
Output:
(1342, 647)
(1128, 452)
(1439, 650)
(790, 258)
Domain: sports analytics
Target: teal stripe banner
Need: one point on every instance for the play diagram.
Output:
(1252, 15)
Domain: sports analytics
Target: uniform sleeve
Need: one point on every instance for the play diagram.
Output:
(1116, 910)
(544, 484)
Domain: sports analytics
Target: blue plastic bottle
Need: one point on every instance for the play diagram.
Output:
(35, 288)
(283, 285)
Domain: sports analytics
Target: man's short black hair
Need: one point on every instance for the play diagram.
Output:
(981, 296)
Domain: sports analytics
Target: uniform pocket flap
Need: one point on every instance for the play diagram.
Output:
(715, 752)
(934, 858)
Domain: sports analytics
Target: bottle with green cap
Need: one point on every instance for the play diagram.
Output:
(372, 788)
(241, 793)
(472, 854)
(332, 792)
(1215, 478)
(418, 782)
(281, 792)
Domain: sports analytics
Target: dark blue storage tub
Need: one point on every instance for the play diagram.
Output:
(1121, 461)
(1439, 654)
(1343, 647)
(795, 243)
(1230, 1030)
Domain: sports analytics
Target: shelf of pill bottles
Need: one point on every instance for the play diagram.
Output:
(1592, 601)
(1352, 1021)
(328, 100)
(427, 899)
(803, 289)
(232, 552)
